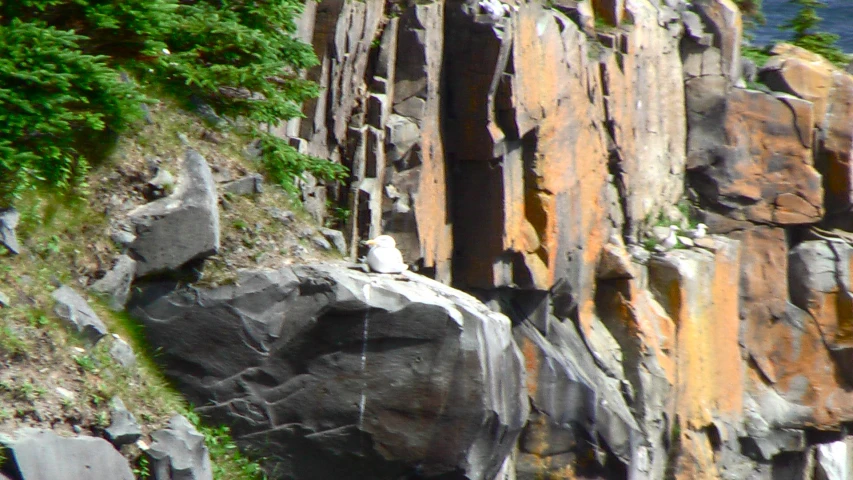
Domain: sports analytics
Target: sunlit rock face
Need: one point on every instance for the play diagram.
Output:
(521, 151)
(334, 373)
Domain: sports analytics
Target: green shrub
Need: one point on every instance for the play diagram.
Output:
(52, 97)
(805, 24)
(241, 58)
(121, 29)
(60, 82)
(757, 55)
(283, 164)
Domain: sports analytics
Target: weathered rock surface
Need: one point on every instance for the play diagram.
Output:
(336, 238)
(122, 352)
(705, 309)
(756, 164)
(574, 402)
(116, 283)
(812, 78)
(179, 453)
(8, 235)
(43, 455)
(74, 309)
(124, 428)
(179, 228)
(339, 374)
(247, 185)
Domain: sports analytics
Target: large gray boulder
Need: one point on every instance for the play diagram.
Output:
(44, 455)
(179, 228)
(74, 309)
(336, 373)
(179, 453)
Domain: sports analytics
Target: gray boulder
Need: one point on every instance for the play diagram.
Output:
(72, 308)
(116, 283)
(8, 224)
(123, 429)
(44, 455)
(336, 373)
(122, 352)
(336, 237)
(4, 300)
(179, 453)
(247, 185)
(179, 228)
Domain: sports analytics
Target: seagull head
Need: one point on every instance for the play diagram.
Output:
(382, 241)
(702, 227)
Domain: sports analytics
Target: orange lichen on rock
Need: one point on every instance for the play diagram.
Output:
(566, 178)
(696, 289)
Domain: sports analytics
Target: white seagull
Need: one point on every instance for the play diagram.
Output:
(671, 241)
(384, 257)
(700, 231)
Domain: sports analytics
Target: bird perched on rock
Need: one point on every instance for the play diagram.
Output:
(672, 239)
(494, 9)
(700, 231)
(384, 257)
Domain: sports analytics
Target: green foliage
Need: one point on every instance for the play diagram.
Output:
(284, 165)
(757, 55)
(142, 470)
(123, 30)
(86, 363)
(53, 96)
(240, 57)
(806, 34)
(61, 88)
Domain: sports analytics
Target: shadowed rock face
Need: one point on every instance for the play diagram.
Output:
(334, 373)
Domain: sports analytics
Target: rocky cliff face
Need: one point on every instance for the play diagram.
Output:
(522, 152)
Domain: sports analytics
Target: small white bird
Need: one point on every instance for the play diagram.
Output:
(672, 240)
(701, 231)
(384, 257)
(494, 8)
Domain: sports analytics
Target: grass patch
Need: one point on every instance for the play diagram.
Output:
(759, 55)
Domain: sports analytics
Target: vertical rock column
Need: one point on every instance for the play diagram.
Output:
(644, 107)
(695, 287)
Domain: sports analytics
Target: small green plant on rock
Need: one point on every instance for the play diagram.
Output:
(29, 391)
(102, 419)
(86, 363)
(142, 469)
(222, 446)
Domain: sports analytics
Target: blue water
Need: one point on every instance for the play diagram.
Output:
(837, 19)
